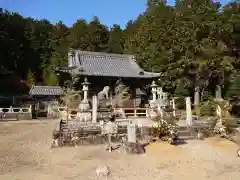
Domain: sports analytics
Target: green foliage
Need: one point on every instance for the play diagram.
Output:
(207, 108)
(181, 93)
(233, 91)
(30, 78)
(77, 34)
(97, 36)
(190, 42)
(207, 96)
(181, 90)
(50, 77)
(122, 91)
(115, 40)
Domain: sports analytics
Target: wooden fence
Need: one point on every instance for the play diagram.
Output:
(132, 112)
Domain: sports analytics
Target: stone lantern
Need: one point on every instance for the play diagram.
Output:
(160, 92)
(85, 90)
(154, 90)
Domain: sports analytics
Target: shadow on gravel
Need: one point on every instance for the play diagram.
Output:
(180, 142)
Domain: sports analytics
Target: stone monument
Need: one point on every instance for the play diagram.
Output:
(189, 111)
(132, 146)
(94, 108)
(174, 107)
(218, 93)
(131, 132)
(109, 128)
(197, 101)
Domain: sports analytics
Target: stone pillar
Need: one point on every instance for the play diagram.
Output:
(154, 90)
(131, 133)
(165, 99)
(94, 109)
(197, 101)
(218, 93)
(219, 114)
(174, 107)
(188, 111)
(85, 90)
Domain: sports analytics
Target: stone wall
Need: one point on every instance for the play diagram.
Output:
(16, 113)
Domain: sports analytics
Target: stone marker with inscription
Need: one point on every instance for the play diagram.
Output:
(131, 133)
(132, 145)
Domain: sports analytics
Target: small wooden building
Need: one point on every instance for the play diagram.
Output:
(104, 69)
(44, 97)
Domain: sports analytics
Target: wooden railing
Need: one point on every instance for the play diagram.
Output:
(132, 112)
(121, 112)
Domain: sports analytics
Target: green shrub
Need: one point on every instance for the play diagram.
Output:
(181, 92)
(180, 103)
(207, 108)
(207, 96)
(230, 125)
(233, 92)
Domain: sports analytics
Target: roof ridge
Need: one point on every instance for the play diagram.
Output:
(104, 54)
(133, 61)
(46, 86)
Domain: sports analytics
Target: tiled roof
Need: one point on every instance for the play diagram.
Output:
(106, 64)
(46, 90)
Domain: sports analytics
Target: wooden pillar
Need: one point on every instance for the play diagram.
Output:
(133, 89)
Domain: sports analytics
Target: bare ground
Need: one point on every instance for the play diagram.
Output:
(25, 154)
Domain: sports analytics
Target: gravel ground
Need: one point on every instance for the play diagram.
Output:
(25, 154)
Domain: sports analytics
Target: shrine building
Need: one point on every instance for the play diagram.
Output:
(105, 69)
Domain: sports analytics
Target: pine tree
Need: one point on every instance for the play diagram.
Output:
(30, 78)
(115, 40)
(50, 76)
(97, 36)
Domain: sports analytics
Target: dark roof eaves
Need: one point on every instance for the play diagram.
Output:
(104, 54)
(148, 74)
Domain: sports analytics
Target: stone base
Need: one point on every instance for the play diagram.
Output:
(134, 148)
(84, 116)
(84, 105)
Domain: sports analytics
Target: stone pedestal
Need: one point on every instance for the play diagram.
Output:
(134, 148)
(174, 107)
(84, 106)
(84, 116)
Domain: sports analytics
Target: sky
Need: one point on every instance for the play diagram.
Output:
(68, 11)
